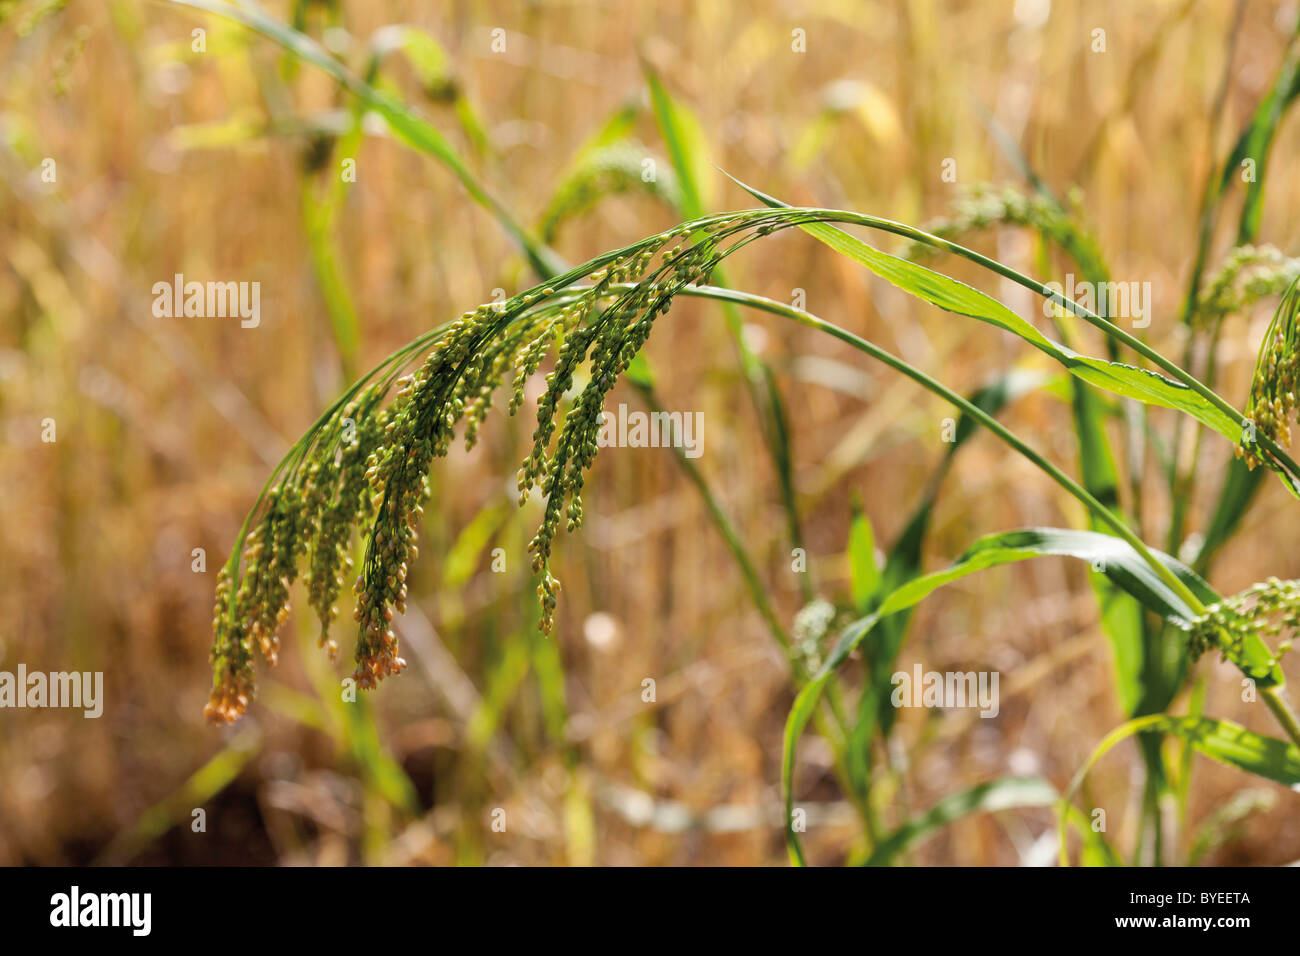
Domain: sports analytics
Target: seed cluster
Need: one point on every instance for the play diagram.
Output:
(232, 658)
(1248, 274)
(619, 167)
(608, 344)
(260, 603)
(983, 207)
(339, 497)
(808, 632)
(1273, 389)
(1267, 610)
(366, 463)
(310, 511)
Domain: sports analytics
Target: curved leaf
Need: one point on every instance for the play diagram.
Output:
(950, 295)
(1005, 794)
(1128, 381)
(1108, 555)
(1222, 740)
(864, 574)
(904, 562)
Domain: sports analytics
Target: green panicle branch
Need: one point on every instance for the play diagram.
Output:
(983, 206)
(1239, 625)
(365, 465)
(609, 170)
(1248, 274)
(1273, 388)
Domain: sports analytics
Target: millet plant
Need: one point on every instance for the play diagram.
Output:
(366, 462)
(365, 466)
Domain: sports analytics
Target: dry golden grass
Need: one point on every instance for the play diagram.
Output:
(167, 428)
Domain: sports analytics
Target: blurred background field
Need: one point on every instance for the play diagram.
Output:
(225, 165)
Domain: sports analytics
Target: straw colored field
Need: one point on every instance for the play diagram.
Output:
(134, 149)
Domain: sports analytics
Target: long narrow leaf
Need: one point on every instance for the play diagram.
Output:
(950, 295)
(1009, 793)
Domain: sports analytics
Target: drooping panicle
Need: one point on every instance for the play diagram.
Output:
(365, 465)
(1265, 612)
(339, 490)
(1276, 382)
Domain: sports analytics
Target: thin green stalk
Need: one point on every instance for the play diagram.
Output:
(1272, 696)
(992, 424)
(758, 594)
(1283, 712)
(1184, 481)
(404, 122)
